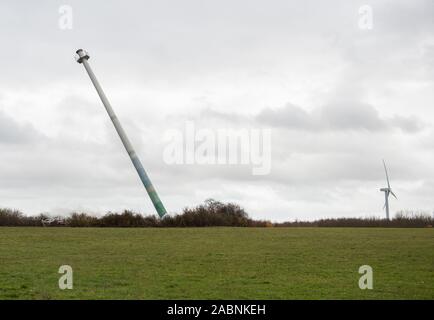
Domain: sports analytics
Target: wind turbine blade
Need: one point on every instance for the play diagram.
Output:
(393, 194)
(387, 175)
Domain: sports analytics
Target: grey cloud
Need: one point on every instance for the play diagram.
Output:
(290, 116)
(342, 116)
(410, 124)
(12, 132)
(336, 117)
(351, 116)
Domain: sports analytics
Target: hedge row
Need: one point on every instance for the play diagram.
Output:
(211, 213)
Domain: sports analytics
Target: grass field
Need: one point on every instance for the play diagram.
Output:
(216, 263)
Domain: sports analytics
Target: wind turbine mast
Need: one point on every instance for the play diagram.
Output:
(386, 202)
(82, 57)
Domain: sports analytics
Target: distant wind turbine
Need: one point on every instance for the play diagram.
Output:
(387, 191)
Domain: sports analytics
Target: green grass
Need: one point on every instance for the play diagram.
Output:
(216, 263)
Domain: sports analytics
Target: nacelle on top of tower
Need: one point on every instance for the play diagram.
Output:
(81, 54)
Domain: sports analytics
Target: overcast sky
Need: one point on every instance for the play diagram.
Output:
(337, 96)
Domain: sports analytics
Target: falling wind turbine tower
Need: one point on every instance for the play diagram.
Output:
(82, 57)
(387, 191)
